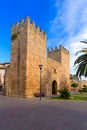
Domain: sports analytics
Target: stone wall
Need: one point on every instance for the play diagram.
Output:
(61, 57)
(54, 53)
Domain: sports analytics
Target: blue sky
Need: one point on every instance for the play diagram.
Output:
(64, 21)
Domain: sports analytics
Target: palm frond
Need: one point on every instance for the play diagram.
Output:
(84, 41)
(80, 51)
(82, 58)
(80, 63)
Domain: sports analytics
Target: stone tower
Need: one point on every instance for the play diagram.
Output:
(28, 51)
(61, 55)
(59, 59)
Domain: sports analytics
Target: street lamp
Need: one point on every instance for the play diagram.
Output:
(40, 66)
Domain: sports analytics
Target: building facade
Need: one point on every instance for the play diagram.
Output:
(2, 74)
(28, 51)
(79, 81)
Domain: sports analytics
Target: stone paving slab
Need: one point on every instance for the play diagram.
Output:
(32, 114)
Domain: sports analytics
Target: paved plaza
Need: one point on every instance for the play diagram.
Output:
(32, 114)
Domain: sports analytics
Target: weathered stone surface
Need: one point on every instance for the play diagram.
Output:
(28, 51)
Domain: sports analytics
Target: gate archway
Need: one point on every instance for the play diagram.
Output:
(54, 87)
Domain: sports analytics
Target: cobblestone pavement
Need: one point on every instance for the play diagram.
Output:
(32, 114)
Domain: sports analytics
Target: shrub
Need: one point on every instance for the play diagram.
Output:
(74, 85)
(64, 93)
(85, 89)
(85, 86)
(14, 36)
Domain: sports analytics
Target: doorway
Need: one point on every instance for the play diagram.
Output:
(54, 87)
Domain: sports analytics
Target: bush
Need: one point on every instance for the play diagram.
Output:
(85, 86)
(74, 85)
(85, 89)
(14, 36)
(64, 93)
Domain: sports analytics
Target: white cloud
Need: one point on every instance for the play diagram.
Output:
(69, 26)
(74, 45)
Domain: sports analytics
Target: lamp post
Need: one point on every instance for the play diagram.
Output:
(40, 66)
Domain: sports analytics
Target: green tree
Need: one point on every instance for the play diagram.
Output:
(81, 62)
(74, 84)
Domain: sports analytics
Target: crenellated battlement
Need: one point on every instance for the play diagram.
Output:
(26, 23)
(53, 49)
(61, 48)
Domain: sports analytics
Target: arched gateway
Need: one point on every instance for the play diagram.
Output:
(54, 87)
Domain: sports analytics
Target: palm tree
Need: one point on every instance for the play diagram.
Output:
(81, 62)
